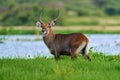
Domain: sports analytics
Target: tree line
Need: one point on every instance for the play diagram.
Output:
(26, 12)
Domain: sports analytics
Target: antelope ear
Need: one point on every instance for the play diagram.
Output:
(52, 24)
(38, 24)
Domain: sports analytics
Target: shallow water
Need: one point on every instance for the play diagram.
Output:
(25, 46)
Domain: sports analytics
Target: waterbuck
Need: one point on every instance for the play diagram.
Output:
(63, 44)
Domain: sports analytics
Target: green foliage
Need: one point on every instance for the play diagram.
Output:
(26, 12)
(101, 67)
(112, 11)
(85, 23)
(12, 31)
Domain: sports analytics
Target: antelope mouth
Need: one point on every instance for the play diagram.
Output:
(44, 34)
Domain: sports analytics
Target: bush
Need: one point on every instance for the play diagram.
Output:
(111, 11)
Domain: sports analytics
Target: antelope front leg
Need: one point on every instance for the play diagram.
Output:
(56, 54)
(57, 57)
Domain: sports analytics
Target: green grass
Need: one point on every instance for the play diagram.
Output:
(84, 23)
(100, 68)
(87, 31)
(4, 31)
(19, 32)
(92, 20)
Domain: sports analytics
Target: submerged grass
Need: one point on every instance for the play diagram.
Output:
(100, 68)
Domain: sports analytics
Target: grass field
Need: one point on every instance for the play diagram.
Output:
(108, 21)
(61, 29)
(92, 25)
(100, 68)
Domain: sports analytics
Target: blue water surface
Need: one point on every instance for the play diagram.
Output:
(30, 46)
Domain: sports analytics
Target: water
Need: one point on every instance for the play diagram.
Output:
(25, 46)
(107, 43)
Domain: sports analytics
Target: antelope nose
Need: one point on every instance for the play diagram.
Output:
(43, 30)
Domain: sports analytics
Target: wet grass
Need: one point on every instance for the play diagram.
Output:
(40, 68)
(2, 40)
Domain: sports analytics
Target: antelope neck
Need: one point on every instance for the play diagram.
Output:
(50, 37)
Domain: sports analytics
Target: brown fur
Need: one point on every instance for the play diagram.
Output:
(65, 44)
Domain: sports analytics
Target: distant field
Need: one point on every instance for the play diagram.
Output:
(60, 29)
(100, 68)
(73, 24)
(102, 21)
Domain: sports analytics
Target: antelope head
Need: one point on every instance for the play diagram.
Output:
(46, 27)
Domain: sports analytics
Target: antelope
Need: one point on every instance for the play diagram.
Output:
(63, 44)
